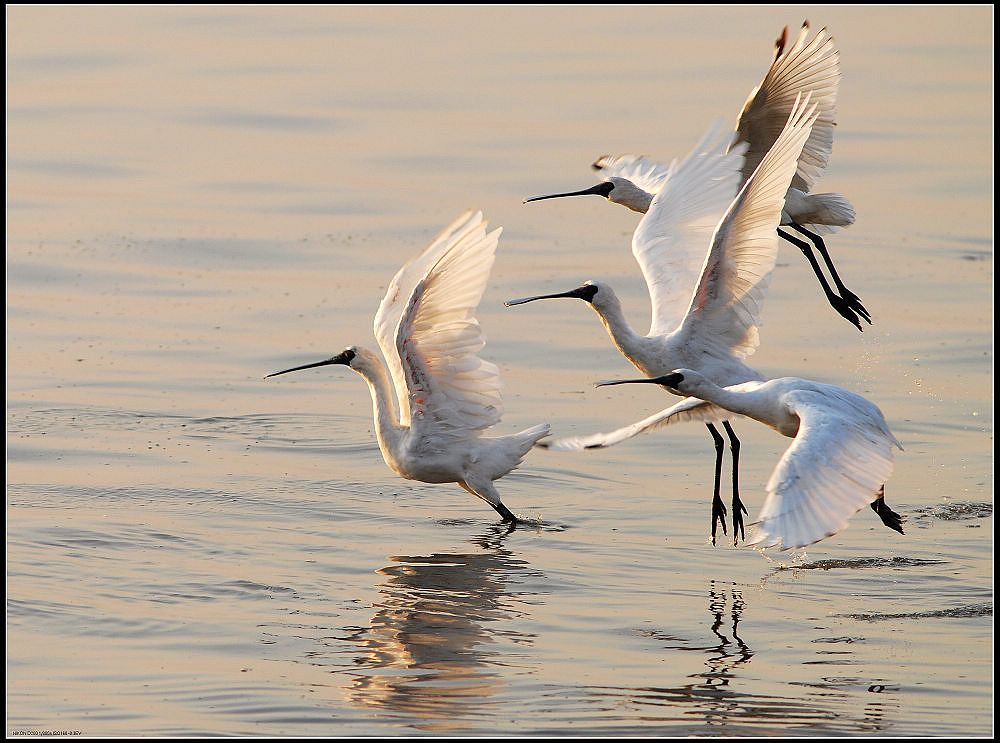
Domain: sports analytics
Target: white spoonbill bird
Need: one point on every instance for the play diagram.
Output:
(809, 65)
(445, 395)
(837, 464)
(706, 319)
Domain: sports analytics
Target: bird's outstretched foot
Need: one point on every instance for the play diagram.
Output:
(846, 310)
(854, 302)
(889, 517)
(718, 516)
(739, 531)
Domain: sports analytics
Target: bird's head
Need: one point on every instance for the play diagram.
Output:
(614, 189)
(591, 291)
(352, 357)
(628, 194)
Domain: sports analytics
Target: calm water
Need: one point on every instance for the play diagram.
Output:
(198, 197)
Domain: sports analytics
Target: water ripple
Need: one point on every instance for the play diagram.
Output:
(961, 612)
(859, 563)
(956, 511)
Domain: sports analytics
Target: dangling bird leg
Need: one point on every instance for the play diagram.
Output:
(739, 531)
(837, 302)
(889, 517)
(718, 507)
(846, 294)
(488, 493)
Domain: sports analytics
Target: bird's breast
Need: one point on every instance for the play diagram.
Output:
(429, 460)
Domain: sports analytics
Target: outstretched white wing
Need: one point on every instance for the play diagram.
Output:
(838, 462)
(687, 410)
(400, 292)
(448, 389)
(808, 66)
(673, 236)
(642, 172)
(724, 313)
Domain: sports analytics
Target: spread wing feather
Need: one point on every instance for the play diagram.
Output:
(673, 236)
(400, 292)
(448, 388)
(724, 312)
(808, 66)
(836, 465)
(642, 172)
(690, 409)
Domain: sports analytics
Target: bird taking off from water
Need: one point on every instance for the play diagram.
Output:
(809, 65)
(837, 464)
(707, 259)
(433, 397)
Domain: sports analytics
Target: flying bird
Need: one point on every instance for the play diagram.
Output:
(706, 318)
(809, 65)
(838, 463)
(433, 396)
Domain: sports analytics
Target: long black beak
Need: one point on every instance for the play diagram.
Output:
(601, 189)
(585, 292)
(667, 380)
(341, 358)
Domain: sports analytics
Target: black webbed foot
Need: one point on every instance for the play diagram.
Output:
(854, 303)
(718, 516)
(846, 310)
(889, 517)
(739, 530)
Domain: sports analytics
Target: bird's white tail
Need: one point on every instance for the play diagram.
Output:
(526, 439)
(507, 452)
(826, 210)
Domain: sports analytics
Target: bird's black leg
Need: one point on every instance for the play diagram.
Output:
(488, 493)
(504, 512)
(846, 294)
(836, 301)
(739, 531)
(718, 507)
(889, 517)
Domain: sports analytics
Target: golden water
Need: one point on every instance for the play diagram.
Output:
(197, 197)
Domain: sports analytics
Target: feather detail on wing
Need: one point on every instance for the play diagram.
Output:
(808, 65)
(639, 170)
(399, 293)
(840, 458)
(673, 236)
(687, 410)
(724, 311)
(448, 386)
(427, 318)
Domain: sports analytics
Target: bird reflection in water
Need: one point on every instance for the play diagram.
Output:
(708, 695)
(441, 627)
(729, 654)
(711, 702)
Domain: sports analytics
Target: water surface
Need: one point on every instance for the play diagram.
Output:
(197, 197)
